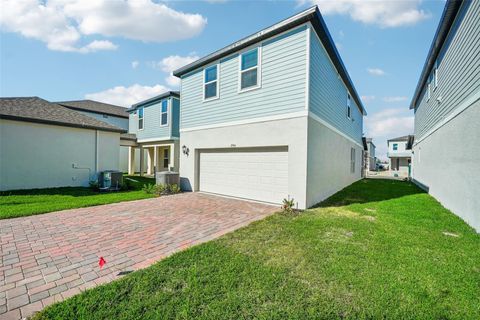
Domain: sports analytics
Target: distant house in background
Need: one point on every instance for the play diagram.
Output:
(399, 156)
(44, 144)
(154, 130)
(370, 159)
(446, 151)
(112, 114)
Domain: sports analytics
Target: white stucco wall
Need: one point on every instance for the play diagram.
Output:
(39, 156)
(288, 132)
(448, 163)
(328, 166)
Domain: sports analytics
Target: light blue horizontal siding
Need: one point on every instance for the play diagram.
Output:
(458, 71)
(328, 93)
(116, 121)
(151, 123)
(283, 85)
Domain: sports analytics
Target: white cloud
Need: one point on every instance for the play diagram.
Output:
(367, 99)
(170, 64)
(376, 72)
(395, 99)
(126, 96)
(135, 64)
(387, 124)
(384, 13)
(62, 24)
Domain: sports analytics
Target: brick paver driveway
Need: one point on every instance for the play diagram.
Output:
(50, 257)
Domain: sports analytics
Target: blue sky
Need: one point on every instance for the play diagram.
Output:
(122, 53)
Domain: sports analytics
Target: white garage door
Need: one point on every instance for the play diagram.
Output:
(257, 173)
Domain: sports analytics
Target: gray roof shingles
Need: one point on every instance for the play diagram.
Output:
(35, 109)
(96, 107)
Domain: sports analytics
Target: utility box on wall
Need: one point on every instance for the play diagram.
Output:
(167, 177)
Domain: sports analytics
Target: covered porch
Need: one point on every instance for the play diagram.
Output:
(160, 156)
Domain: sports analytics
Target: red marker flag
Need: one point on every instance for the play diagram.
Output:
(101, 262)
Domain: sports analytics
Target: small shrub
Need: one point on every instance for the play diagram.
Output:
(126, 185)
(149, 188)
(175, 188)
(161, 189)
(288, 206)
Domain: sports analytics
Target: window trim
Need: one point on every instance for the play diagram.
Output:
(217, 96)
(258, 66)
(143, 119)
(349, 106)
(167, 112)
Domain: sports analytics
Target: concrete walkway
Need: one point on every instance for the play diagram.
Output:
(50, 257)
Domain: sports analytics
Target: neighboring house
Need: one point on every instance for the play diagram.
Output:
(272, 116)
(446, 151)
(370, 159)
(154, 131)
(44, 144)
(399, 156)
(112, 114)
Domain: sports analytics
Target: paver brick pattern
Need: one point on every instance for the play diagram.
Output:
(50, 257)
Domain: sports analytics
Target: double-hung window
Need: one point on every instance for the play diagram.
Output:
(395, 146)
(349, 106)
(164, 113)
(210, 83)
(249, 69)
(140, 119)
(166, 153)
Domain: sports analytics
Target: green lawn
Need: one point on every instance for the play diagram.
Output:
(29, 202)
(376, 250)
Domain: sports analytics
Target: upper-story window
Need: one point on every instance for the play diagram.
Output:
(164, 113)
(349, 106)
(435, 75)
(140, 119)
(395, 146)
(249, 69)
(210, 83)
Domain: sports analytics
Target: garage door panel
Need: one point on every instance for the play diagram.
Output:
(258, 174)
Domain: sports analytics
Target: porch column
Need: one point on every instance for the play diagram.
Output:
(141, 161)
(131, 160)
(149, 161)
(171, 157)
(155, 159)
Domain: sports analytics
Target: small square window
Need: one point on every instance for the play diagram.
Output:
(395, 146)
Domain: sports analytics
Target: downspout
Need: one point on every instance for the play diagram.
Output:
(96, 151)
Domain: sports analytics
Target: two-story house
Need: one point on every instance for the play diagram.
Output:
(154, 132)
(272, 116)
(111, 114)
(399, 156)
(446, 102)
